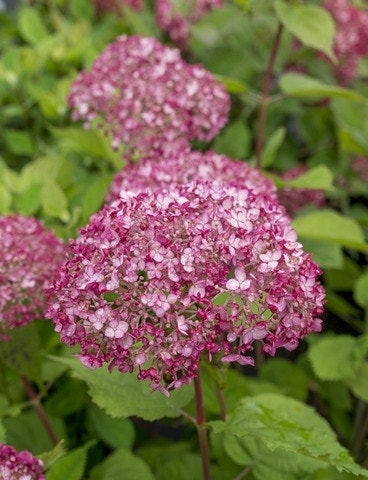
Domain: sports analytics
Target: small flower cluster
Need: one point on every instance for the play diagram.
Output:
(351, 39)
(148, 98)
(116, 6)
(295, 199)
(175, 18)
(19, 465)
(184, 167)
(30, 259)
(161, 277)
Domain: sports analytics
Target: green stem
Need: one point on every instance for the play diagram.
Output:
(202, 430)
(264, 99)
(35, 401)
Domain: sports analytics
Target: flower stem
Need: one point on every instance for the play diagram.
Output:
(202, 431)
(264, 99)
(35, 401)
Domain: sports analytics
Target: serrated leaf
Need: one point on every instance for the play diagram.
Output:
(71, 466)
(5, 200)
(287, 424)
(271, 147)
(310, 24)
(330, 226)
(31, 26)
(115, 432)
(49, 458)
(361, 291)
(326, 254)
(29, 201)
(289, 377)
(122, 464)
(19, 142)
(299, 85)
(94, 195)
(233, 85)
(123, 395)
(334, 358)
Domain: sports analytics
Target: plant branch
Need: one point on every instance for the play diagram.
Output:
(35, 402)
(202, 430)
(264, 99)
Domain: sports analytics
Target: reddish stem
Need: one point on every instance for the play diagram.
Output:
(202, 431)
(264, 100)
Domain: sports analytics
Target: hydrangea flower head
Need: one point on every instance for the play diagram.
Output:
(185, 166)
(116, 6)
(19, 465)
(31, 256)
(148, 98)
(161, 278)
(176, 17)
(351, 39)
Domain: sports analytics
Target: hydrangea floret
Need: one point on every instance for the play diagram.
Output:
(162, 278)
(19, 465)
(175, 18)
(147, 98)
(31, 257)
(153, 173)
(351, 39)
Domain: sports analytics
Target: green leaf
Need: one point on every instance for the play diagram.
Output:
(94, 195)
(123, 395)
(275, 465)
(29, 201)
(317, 178)
(53, 200)
(287, 424)
(115, 432)
(5, 200)
(71, 466)
(234, 140)
(2, 433)
(298, 85)
(359, 383)
(122, 464)
(330, 226)
(22, 352)
(272, 146)
(361, 291)
(49, 458)
(233, 85)
(335, 358)
(19, 142)
(289, 377)
(31, 26)
(326, 254)
(310, 24)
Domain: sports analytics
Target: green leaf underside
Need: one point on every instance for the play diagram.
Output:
(284, 423)
(123, 395)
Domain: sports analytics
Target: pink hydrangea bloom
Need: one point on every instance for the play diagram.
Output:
(162, 277)
(19, 465)
(30, 259)
(116, 6)
(184, 167)
(295, 199)
(351, 39)
(175, 18)
(148, 98)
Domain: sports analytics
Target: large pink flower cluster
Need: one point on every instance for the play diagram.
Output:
(19, 465)
(351, 39)
(162, 277)
(184, 167)
(148, 99)
(116, 6)
(175, 18)
(30, 258)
